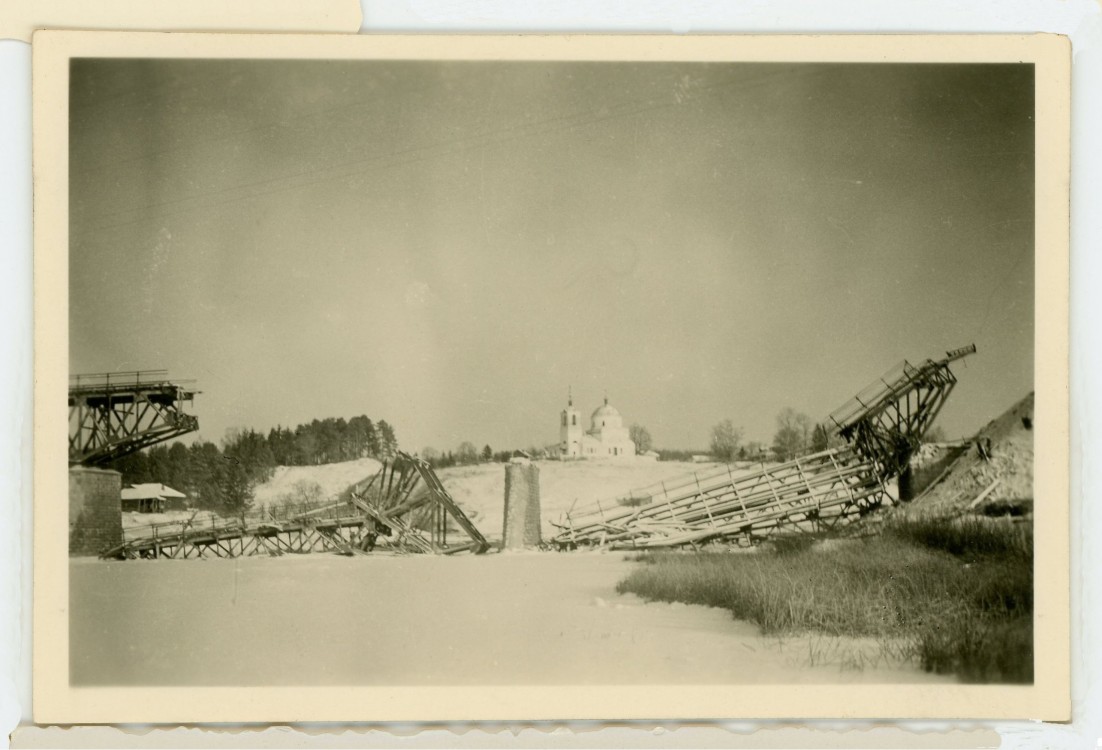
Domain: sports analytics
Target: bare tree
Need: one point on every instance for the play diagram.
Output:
(303, 492)
(640, 435)
(466, 453)
(793, 435)
(725, 440)
(429, 453)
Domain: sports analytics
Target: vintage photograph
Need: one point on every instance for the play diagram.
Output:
(545, 371)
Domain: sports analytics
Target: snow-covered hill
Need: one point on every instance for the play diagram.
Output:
(332, 478)
(480, 489)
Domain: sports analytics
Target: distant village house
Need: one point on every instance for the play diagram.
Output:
(151, 498)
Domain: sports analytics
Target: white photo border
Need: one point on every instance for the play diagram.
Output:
(55, 701)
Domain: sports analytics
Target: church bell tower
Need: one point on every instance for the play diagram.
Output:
(570, 429)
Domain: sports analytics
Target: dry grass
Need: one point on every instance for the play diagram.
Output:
(968, 536)
(959, 597)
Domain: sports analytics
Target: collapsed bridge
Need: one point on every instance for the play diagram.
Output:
(882, 426)
(114, 414)
(402, 508)
(405, 508)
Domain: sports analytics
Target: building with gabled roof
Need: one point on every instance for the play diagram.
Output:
(151, 497)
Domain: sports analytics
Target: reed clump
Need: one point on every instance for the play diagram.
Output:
(958, 594)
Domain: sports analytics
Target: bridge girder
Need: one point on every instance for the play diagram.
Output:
(887, 420)
(114, 414)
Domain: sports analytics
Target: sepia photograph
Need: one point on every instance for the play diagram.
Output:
(573, 365)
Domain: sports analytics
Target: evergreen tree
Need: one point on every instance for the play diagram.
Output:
(823, 438)
(133, 467)
(388, 441)
(177, 476)
(361, 434)
(306, 446)
(819, 438)
(236, 487)
(207, 470)
(223, 479)
(281, 446)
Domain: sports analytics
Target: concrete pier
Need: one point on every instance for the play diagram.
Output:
(522, 506)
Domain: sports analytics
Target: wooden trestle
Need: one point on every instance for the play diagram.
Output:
(402, 508)
(882, 425)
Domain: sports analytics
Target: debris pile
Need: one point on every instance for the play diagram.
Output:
(993, 476)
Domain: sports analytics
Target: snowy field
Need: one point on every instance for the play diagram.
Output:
(563, 485)
(331, 478)
(530, 618)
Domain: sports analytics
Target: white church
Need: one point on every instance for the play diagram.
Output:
(606, 437)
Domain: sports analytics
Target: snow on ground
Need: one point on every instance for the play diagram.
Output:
(332, 478)
(139, 525)
(1008, 443)
(563, 485)
(133, 519)
(500, 619)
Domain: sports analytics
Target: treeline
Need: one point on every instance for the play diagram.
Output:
(672, 454)
(213, 478)
(467, 454)
(222, 479)
(330, 441)
(796, 435)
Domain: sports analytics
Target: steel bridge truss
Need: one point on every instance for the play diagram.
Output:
(886, 421)
(882, 425)
(115, 414)
(406, 499)
(402, 508)
(811, 493)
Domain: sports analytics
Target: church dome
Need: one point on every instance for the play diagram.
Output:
(606, 419)
(605, 411)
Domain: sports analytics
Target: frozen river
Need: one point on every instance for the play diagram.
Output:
(418, 620)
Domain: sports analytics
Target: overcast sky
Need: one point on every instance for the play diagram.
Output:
(450, 246)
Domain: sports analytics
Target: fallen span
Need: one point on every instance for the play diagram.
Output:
(882, 425)
(402, 508)
(813, 492)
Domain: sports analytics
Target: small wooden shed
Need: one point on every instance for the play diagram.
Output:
(151, 497)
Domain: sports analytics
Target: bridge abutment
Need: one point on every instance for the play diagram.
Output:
(95, 510)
